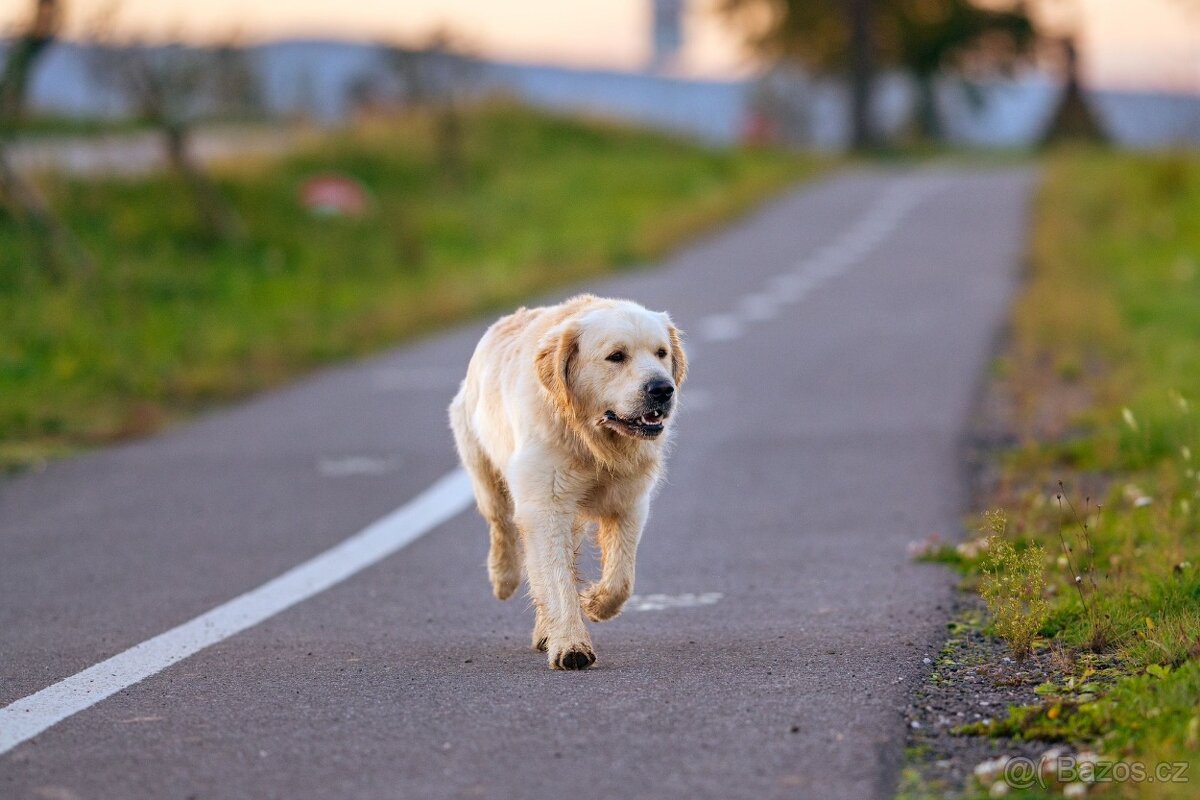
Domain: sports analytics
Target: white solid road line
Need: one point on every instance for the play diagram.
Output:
(31, 715)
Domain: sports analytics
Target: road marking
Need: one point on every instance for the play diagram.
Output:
(757, 307)
(787, 288)
(879, 221)
(661, 602)
(356, 465)
(720, 328)
(31, 715)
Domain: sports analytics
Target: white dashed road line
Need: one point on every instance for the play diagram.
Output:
(757, 307)
(853, 246)
(662, 602)
(348, 466)
(720, 328)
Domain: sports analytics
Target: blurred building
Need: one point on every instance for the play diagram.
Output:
(321, 79)
(666, 32)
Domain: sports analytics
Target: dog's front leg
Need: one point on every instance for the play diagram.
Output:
(550, 565)
(545, 511)
(618, 537)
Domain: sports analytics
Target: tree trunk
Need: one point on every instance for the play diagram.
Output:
(861, 73)
(23, 53)
(62, 253)
(215, 214)
(928, 118)
(448, 136)
(1073, 120)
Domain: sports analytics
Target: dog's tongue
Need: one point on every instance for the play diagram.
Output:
(652, 418)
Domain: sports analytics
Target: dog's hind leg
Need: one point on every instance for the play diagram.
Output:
(495, 505)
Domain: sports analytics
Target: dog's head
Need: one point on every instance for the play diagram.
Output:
(616, 364)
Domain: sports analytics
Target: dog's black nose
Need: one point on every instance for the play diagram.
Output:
(660, 389)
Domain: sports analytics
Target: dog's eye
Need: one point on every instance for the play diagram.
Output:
(662, 352)
(616, 357)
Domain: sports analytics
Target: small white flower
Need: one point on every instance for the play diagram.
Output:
(970, 549)
(1130, 420)
(999, 789)
(922, 548)
(1136, 496)
(1075, 790)
(990, 769)
(1048, 763)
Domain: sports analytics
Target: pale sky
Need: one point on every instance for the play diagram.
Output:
(1126, 43)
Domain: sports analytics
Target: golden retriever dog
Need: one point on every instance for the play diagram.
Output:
(561, 422)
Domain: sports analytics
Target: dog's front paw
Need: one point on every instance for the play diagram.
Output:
(600, 602)
(571, 655)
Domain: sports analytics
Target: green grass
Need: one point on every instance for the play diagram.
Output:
(36, 126)
(173, 321)
(1103, 372)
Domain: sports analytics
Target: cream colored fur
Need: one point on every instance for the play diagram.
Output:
(546, 460)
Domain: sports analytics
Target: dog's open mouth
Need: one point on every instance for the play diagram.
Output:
(648, 425)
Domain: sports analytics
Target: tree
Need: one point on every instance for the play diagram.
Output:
(926, 37)
(862, 73)
(438, 77)
(1073, 119)
(822, 35)
(23, 53)
(60, 250)
(236, 89)
(171, 87)
(921, 37)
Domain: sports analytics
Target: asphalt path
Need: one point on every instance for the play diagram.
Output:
(150, 648)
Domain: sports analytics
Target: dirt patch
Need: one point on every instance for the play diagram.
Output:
(973, 679)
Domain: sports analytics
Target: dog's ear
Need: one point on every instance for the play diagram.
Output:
(556, 351)
(679, 364)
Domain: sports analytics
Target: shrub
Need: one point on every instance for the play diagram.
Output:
(1012, 584)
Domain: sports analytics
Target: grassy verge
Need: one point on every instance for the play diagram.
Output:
(173, 321)
(1099, 496)
(41, 126)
